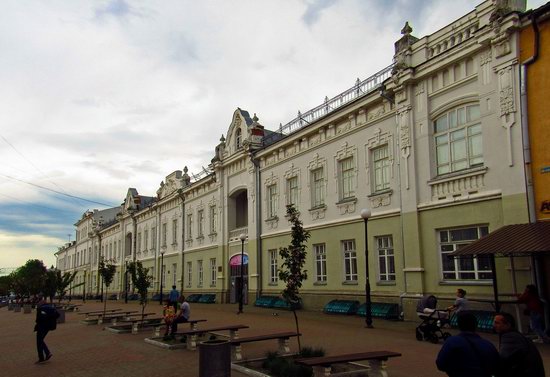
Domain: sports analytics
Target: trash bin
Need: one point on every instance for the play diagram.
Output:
(215, 358)
(61, 318)
(27, 309)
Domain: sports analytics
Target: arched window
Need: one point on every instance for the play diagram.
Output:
(238, 138)
(458, 140)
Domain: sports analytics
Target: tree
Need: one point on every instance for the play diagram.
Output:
(294, 258)
(63, 282)
(142, 281)
(107, 271)
(5, 285)
(50, 284)
(30, 278)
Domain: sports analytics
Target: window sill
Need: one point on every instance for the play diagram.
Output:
(200, 238)
(213, 234)
(321, 207)
(271, 219)
(272, 284)
(347, 200)
(386, 282)
(350, 282)
(321, 283)
(465, 282)
(381, 192)
(461, 173)
(212, 285)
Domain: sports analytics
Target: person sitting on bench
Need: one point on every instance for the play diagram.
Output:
(182, 316)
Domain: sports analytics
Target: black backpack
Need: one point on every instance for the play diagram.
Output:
(50, 316)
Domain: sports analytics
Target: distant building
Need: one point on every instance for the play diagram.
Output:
(431, 145)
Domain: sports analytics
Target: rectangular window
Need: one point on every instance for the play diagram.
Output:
(317, 188)
(381, 162)
(292, 191)
(347, 177)
(146, 240)
(139, 241)
(189, 273)
(174, 273)
(189, 226)
(273, 272)
(164, 234)
(213, 220)
(386, 261)
(175, 232)
(213, 272)
(153, 237)
(272, 201)
(350, 260)
(467, 267)
(320, 253)
(199, 273)
(200, 223)
(458, 140)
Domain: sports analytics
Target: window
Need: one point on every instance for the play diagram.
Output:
(381, 162)
(114, 250)
(119, 249)
(175, 232)
(292, 191)
(153, 237)
(213, 220)
(189, 273)
(463, 268)
(386, 261)
(146, 239)
(213, 272)
(458, 140)
(317, 188)
(238, 138)
(273, 273)
(199, 273)
(271, 201)
(164, 234)
(350, 260)
(189, 226)
(139, 241)
(174, 273)
(320, 253)
(347, 175)
(200, 223)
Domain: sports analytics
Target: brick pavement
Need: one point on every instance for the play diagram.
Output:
(84, 351)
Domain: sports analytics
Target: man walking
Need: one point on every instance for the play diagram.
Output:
(467, 354)
(518, 355)
(182, 316)
(173, 298)
(46, 320)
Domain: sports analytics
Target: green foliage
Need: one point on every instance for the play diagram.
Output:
(107, 270)
(5, 285)
(141, 280)
(63, 282)
(312, 352)
(284, 366)
(50, 284)
(29, 279)
(294, 258)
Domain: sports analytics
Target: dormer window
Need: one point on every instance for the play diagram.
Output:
(238, 139)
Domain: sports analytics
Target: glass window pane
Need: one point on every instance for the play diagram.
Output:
(461, 116)
(443, 236)
(452, 119)
(441, 124)
(473, 112)
(458, 150)
(466, 263)
(442, 154)
(382, 265)
(448, 263)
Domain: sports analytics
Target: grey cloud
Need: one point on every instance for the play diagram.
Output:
(116, 8)
(314, 10)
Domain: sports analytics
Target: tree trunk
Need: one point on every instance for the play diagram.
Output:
(297, 330)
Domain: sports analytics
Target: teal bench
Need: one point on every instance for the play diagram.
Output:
(381, 310)
(485, 320)
(193, 298)
(207, 299)
(341, 307)
(266, 301)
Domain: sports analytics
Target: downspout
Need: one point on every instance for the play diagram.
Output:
(182, 197)
(258, 206)
(157, 247)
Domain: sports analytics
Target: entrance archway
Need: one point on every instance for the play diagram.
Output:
(235, 278)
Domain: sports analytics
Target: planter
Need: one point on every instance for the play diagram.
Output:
(11, 305)
(27, 309)
(214, 358)
(17, 308)
(61, 318)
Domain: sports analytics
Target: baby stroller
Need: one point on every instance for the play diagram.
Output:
(432, 320)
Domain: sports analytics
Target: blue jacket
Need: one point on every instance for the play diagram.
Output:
(468, 355)
(174, 295)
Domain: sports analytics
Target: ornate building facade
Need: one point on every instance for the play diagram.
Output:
(431, 145)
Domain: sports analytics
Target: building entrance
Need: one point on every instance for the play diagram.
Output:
(235, 278)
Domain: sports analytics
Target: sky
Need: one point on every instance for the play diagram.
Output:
(100, 96)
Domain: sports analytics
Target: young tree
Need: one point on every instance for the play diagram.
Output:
(107, 271)
(142, 281)
(294, 258)
(63, 282)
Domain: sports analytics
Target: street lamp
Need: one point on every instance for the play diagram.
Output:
(242, 237)
(126, 283)
(161, 274)
(84, 288)
(365, 214)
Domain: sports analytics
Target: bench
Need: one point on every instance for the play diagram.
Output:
(113, 316)
(282, 337)
(485, 320)
(192, 334)
(136, 323)
(192, 324)
(322, 366)
(93, 313)
(380, 310)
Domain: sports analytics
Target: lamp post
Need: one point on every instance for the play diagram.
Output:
(365, 214)
(84, 288)
(126, 283)
(161, 274)
(242, 237)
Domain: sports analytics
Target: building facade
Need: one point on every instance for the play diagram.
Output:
(431, 145)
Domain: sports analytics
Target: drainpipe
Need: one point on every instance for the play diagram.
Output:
(159, 267)
(258, 206)
(182, 197)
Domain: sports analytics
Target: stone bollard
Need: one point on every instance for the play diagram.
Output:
(61, 318)
(17, 308)
(27, 309)
(11, 306)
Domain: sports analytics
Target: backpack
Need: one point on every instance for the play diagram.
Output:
(50, 316)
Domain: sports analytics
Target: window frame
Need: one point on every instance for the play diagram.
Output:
(383, 253)
(272, 200)
(381, 169)
(318, 196)
(320, 263)
(349, 258)
(346, 178)
(273, 267)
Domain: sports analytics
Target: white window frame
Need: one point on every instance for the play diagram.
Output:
(164, 234)
(273, 266)
(386, 258)
(200, 273)
(272, 200)
(381, 168)
(153, 238)
(458, 131)
(481, 267)
(213, 272)
(189, 274)
(146, 239)
(174, 231)
(213, 219)
(292, 191)
(346, 178)
(189, 226)
(320, 255)
(349, 257)
(200, 223)
(317, 187)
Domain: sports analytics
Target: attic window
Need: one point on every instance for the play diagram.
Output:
(238, 139)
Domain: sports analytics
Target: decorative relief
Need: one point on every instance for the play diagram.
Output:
(317, 213)
(346, 207)
(315, 140)
(458, 186)
(380, 200)
(405, 138)
(376, 112)
(292, 172)
(272, 223)
(507, 105)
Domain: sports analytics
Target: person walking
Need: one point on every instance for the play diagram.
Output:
(467, 354)
(183, 315)
(46, 320)
(173, 298)
(535, 310)
(518, 355)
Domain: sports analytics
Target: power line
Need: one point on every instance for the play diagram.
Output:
(57, 192)
(37, 205)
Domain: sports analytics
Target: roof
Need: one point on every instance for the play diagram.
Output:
(512, 240)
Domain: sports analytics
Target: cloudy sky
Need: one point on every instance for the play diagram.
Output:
(99, 96)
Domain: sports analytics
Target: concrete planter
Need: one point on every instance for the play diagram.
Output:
(11, 306)
(61, 318)
(27, 309)
(17, 308)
